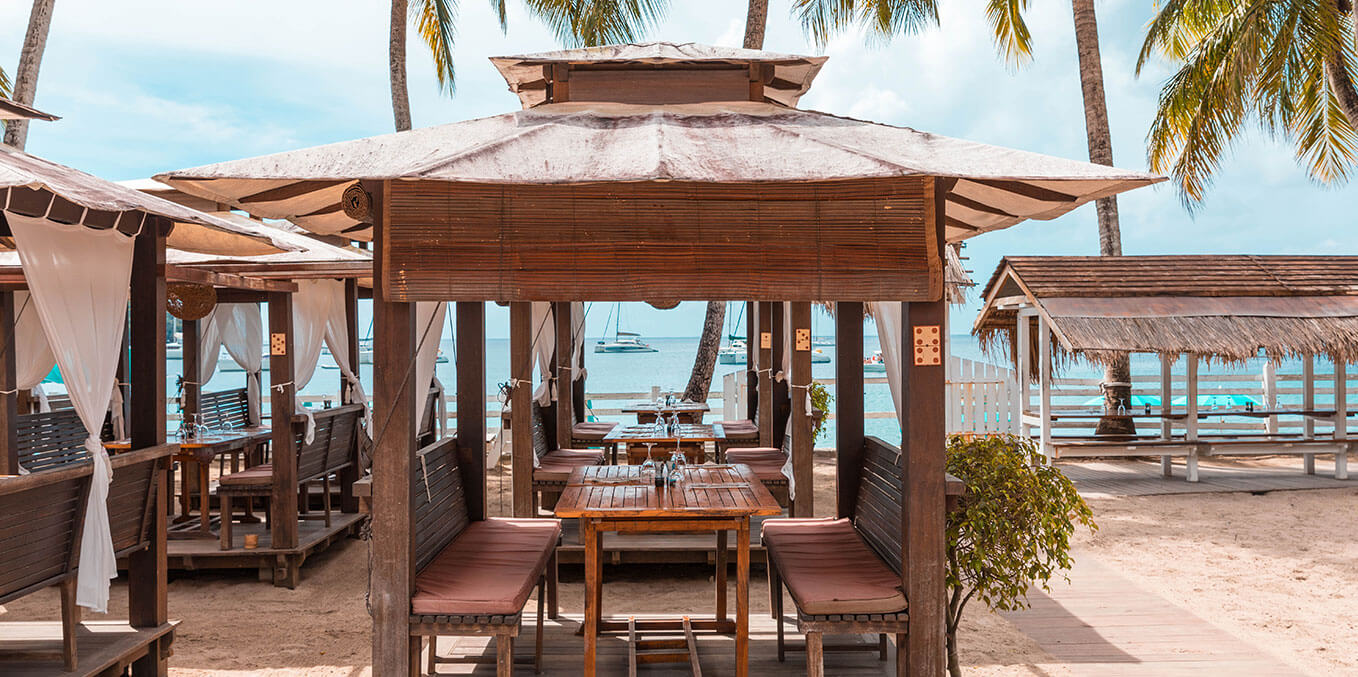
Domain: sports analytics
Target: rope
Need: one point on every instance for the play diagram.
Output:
(280, 387)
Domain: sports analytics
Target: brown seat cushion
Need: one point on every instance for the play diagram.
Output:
(489, 569)
(556, 466)
(829, 568)
(740, 430)
(766, 462)
(258, 475)
(592, 430)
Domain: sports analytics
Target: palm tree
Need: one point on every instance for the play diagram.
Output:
(1286, 65)
(575, 22)
(25, 85)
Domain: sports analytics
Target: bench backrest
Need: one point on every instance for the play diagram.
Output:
(877, 511)
(430, 417)
(132, 498)
(226, 408)
(440, 504)
(51, 439)
(334, 446)
(541, 445)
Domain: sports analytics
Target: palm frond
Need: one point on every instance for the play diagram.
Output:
(436, 21)
(883, 19)
(6, 87)
(1010, 31)
(578, 23)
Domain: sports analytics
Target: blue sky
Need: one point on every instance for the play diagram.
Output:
(147, 86)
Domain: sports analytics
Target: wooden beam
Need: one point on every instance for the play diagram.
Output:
(282, 405)
(192, 386)
(396, 418)
(1166, 408)
(1044, 381)
(9, 386)
(1308, 402)
(781, 403)
(803, 446)
(751, 360)
(348, 501)
(1191, 414)
(299, 270)
(228, 280)
(565, 416)
(229, 295)
(765, 369)
(1341, 418)
(147, 576)
(471, 404)
(521, 375)
(848, 404)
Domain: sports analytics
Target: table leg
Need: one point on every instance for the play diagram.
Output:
(721, 574)
(184, 489)
(591, 588)
(204, 514)
(743, 599)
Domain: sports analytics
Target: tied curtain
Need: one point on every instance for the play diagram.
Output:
(889, 329)
(429, 318)
(311, 309)
(544, 345)
(337, 341)
(79, 281)
(33, 357)
(240, 328)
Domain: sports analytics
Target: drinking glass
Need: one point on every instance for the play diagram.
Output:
(648, 467)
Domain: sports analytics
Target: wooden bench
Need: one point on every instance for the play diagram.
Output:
(767, 464)
(41, 521)
(474, 577)
(51, 440)
(553, 466)
(844, 575)
(226, 409)
(333, 448)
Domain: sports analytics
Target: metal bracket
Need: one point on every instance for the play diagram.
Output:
(928, 345)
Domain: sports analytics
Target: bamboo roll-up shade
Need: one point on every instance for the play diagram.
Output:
(863, 239)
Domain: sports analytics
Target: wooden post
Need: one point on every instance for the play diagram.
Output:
(1341, 419)
(349, 502)
(751, 360)
(521, 421)
(803, 446)
(848, 404)
(9, 386)
(1024, 349)
(1308, 403)
(146, 569)
(1044, 378)
(765, 368)
(1270, 388)
(1191, 422)
(395, 418)
(565, 417)
(191, 404)
(1166, 408)
(780, 390)
(471, 404)
(282, 403)
(924, 449)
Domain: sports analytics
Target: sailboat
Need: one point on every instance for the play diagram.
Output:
(623, 341)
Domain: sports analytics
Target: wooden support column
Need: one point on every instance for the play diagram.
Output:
(848, 404)
(1308, 403)
(1341, 419)
(282, 403)
(924, 449)
(781, 403)
(521, 421)
(146, 569)
(565, 416)
(349, 502)
(803, 446)
(765, 369)
(192, 394)
(579, 399)
(395, 417)
(1166, 408)
(1191, 422)
(471, 404)
(751, 359)
(1044, 379)
(1024, 350)
(9, 385)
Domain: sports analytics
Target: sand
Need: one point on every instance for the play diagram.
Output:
(1273, 569)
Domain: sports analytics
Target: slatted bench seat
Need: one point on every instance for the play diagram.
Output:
(474, 577)
(552, 467)
(844, 575)
(333, 448)
(44, 515)
(767, 464)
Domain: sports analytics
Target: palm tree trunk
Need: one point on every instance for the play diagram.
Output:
(1117, 377)
(26, 77)
(756, 20)
(396, 60)
(1342, 85)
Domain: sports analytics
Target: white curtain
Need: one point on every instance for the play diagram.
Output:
(311, 305)
(79, 279)
(337, 340)
(239, 327)
(889, 328)
(544, 344)
(429, 318)
(33, 356)
(577, 339)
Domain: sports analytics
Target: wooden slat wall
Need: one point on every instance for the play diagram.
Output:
(622, 242)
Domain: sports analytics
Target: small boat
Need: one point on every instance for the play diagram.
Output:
(174, 350)
(875, 364)
(734, 352)
(823, 341)
(624, 342)
(819, 356)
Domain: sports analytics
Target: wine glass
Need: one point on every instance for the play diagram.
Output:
(648, 467)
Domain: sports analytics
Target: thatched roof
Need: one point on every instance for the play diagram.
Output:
(13, 110)
(33, 186)
(726, 142)
(1223, 308)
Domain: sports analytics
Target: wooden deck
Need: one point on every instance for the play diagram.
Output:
(1103, 624)
(312, 535)
(106, 647)
(1109, 479)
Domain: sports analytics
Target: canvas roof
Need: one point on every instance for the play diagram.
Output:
(1223, 307)
(13, 110)
(100, 203)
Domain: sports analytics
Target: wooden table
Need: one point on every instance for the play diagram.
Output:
(717, 498)
(689, 412)
(691, 436)
(198, 454)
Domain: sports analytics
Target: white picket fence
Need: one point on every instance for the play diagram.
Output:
(982, 398)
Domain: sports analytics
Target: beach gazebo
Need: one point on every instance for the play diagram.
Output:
(1216, 308)
(89, 249)
(658, 172)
